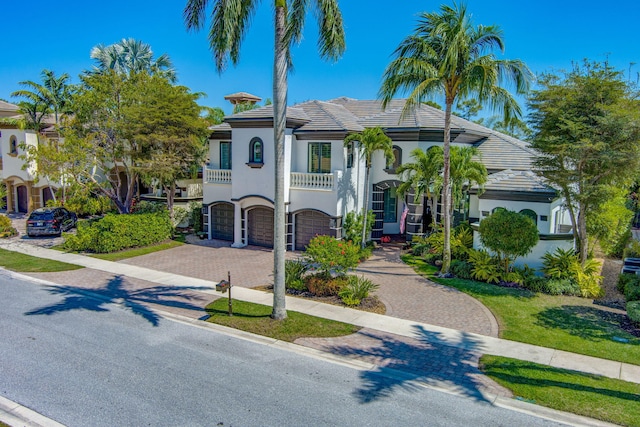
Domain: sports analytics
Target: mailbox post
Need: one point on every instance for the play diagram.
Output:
(224, 286)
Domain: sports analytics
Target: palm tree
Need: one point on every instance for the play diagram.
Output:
(447, 55)
(465, 172)
(423, 174)
(229, 23)
(369, 141)
(131, 56)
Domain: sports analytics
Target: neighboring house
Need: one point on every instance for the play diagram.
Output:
(324, 179)
(23, 193)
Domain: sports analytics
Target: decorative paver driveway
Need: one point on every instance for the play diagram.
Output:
(406, 294)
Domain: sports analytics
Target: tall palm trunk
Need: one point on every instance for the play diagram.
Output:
(446, 189)
(280, 118)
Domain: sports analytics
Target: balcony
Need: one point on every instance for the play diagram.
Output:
(217, 176)
(312, 181)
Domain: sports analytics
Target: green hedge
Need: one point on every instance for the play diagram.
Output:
(633, 311)
(113, 232)
(629, 285)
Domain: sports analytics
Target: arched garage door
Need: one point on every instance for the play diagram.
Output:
(260, 227)
(222, 221)
(308, 225)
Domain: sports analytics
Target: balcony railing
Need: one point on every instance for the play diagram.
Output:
(316, 181)
(217, 176)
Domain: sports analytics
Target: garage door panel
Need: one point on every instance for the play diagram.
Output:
(222, 221)
(260, 227)
(310, 224)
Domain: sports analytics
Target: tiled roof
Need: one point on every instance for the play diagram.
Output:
(498, 151)
(7, 109)
(523, 180)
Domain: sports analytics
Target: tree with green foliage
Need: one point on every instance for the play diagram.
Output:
(130, 56)
(587, 131)
(368, 142)
(124, 128)
(423, 174)
(212, 115)
(509, 234)
(465, 172)
(52, 95)
(447, 55)
(3, 194)
(229, 23)
(609, 224)
(165, 121)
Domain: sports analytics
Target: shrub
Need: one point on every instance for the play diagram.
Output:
(352, 226)
(509, 234)
(536, 284)
(195, 216)
(322, 286)
(419, 245)
(564, 264)
(562, 287)
(357, 289)
(633, 250)
(6, 229)
(179, 215)
(116, 232)
(5, 222)
(432, 258)
(145, 207)
(461, 269)
(329, 255)
(294, 271)
(633, 311)
(485, 267)
(632, 290)
(624, 279)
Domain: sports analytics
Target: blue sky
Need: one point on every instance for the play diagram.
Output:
(545, 34)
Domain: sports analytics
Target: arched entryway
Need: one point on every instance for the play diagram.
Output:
(311, 223)
(23, 198)
(222, 220)
(387, 206)
(260, 226)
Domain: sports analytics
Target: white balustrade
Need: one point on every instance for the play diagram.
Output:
(316, 181)
(217, 176)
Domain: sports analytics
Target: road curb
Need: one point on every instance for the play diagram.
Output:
(16, 415)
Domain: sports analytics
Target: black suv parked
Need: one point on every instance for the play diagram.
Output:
(50, 221)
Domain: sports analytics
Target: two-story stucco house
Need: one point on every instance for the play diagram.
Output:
(23, 192)
(324, 179)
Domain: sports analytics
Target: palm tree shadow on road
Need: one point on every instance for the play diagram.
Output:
(409, 364)
(115, 292)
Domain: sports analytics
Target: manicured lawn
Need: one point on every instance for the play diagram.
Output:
(561, 322)
(130, 253)
(593, 396)
(255, 318)
(22, 263)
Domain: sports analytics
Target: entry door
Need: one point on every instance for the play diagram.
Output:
(23, 199)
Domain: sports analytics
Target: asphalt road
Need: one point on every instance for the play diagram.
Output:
(83, 362)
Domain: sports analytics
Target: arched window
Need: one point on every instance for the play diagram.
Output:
(13, 145)
(499, 208)
(397, 157)
(256, 148)
(531, 214)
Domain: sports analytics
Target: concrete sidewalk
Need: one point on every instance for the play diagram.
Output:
(386, 324)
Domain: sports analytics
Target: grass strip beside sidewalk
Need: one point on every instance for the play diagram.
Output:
(255, 318)
(21, 263)
(593, 396)
(561, 322)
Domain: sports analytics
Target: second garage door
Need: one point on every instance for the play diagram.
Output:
(308, 225)
(260, 227)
